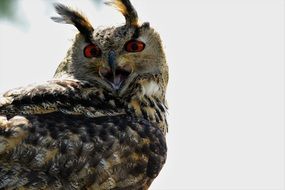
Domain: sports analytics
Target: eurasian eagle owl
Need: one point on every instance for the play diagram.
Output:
(100, 123)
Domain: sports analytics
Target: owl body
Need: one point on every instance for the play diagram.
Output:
(100, 123)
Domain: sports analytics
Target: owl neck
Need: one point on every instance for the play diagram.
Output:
(146, 99)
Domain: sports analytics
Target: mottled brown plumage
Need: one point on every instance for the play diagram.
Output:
(100, 123)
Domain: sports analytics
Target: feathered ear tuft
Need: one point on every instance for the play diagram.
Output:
(70, 16)
(127, 9)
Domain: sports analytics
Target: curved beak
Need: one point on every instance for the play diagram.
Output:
(116, 75)
(112, 62)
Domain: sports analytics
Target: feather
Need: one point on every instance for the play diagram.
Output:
(127, 9)
(70, 16)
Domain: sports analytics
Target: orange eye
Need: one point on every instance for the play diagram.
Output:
(134, 46)
(92, 50)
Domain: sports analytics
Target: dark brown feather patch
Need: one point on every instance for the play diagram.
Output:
(127, 9)
(69, 16)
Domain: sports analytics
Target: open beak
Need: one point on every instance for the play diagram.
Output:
(115, 75)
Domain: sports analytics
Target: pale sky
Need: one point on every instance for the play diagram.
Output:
(226, 90)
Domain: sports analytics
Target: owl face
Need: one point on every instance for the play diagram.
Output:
(116, 57)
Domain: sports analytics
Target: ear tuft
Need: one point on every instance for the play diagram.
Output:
(70, 16)
(127, 9)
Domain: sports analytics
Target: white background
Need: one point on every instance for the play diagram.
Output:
(226, 91)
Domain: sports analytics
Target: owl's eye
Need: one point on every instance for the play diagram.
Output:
(134, 46)
(92, 50)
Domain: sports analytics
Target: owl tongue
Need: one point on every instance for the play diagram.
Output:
(117, 81)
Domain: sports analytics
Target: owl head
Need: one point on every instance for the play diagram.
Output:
(120, 59)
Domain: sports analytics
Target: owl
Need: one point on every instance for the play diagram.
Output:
(100, 122)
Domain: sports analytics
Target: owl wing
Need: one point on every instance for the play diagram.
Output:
(65, 96)
(68, 96)
(54, 144)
